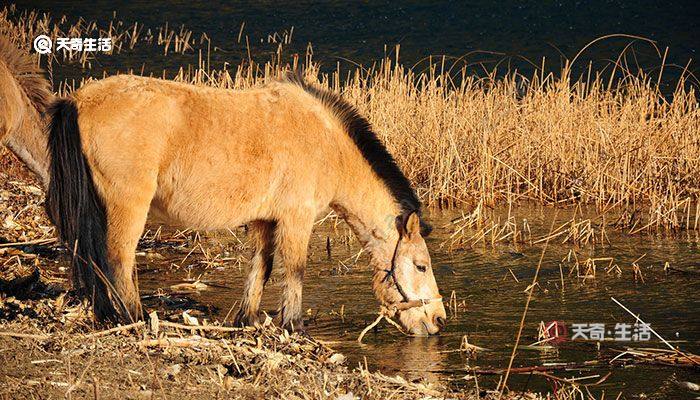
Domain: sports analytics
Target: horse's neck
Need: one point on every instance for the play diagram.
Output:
(370, 210)
(29, 143)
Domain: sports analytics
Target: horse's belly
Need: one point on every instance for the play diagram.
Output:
(208, 210)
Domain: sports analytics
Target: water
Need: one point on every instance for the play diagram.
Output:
(493, 303)
(347, 34)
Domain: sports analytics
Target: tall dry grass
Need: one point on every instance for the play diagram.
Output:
(463, 140)
(624, 148)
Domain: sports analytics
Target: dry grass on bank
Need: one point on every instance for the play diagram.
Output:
(55, 352)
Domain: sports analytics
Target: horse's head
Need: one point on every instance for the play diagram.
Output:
(408, 287)
(22, 86)
(11, 108)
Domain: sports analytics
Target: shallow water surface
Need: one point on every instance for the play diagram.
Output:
(490, 305)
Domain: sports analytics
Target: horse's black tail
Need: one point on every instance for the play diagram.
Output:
(78, 212)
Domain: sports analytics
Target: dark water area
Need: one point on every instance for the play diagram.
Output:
(482, 35)
(490, 305)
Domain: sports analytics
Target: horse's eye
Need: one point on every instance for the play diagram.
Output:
(421, 268)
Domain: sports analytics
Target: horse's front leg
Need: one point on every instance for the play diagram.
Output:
(263, 236)
(292, 241)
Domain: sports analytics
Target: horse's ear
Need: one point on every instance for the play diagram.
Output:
(413, 225)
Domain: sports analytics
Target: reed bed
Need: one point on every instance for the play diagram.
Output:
(24, 26)
(483, 143)
(613, 140)
(555, 141)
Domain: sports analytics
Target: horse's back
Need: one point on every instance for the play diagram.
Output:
(216, 157)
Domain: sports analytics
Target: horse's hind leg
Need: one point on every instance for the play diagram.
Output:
(292, 242)
(125, 223)
(262, 233)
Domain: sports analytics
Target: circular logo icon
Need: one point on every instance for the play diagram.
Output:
(42, 44)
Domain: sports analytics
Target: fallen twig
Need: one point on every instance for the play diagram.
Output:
(24, 335)
(658, 356)
(178, 342)
(206, 327)
(535, 368)
(383, 314)
(29, 242)
(696, 362)
(115, 329)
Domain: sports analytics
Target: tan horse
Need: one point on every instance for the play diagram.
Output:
(272, 158)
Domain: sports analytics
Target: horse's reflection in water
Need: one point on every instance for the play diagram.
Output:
(415, 357)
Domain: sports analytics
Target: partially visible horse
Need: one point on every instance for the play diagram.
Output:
(25, 95)
(272, 157)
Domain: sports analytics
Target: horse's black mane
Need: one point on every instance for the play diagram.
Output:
(372, 149)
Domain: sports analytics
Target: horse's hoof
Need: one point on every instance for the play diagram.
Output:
(303, 332)
(244, 319)
(296, 326)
